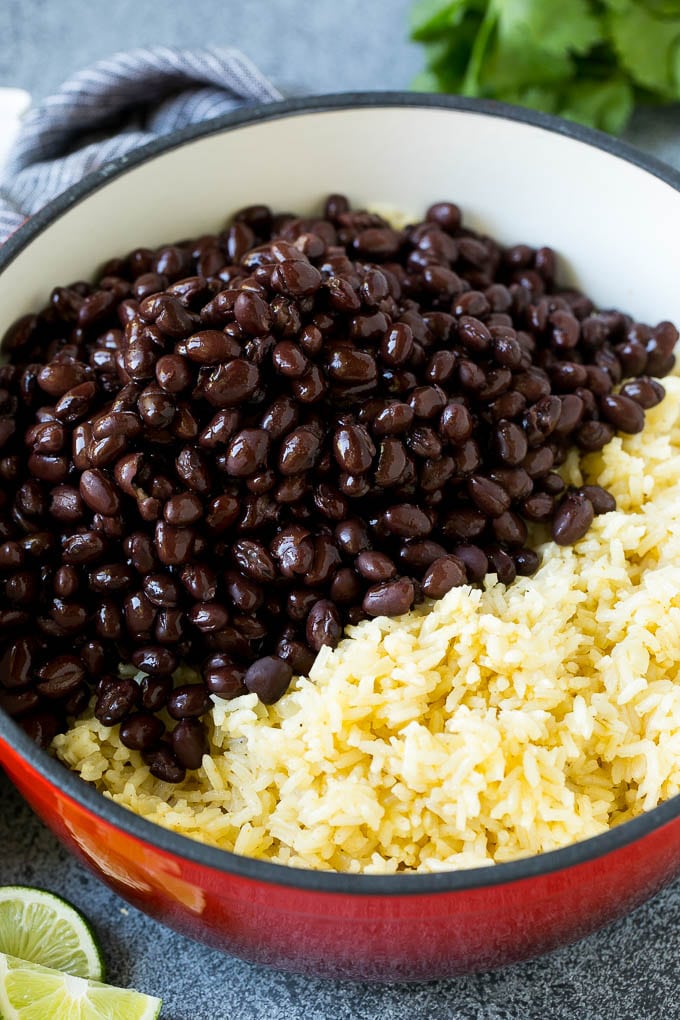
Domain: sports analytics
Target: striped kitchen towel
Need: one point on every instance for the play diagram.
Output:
(115, 106)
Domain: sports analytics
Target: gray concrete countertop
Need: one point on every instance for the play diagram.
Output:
(628, 970)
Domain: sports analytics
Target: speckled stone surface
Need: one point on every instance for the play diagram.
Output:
(625, 972)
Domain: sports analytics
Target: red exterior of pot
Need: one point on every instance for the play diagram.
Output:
(359, 935)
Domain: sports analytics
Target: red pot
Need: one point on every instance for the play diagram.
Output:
(400, 927)
(392, 928)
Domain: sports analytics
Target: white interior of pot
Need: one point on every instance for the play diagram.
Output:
(615, 226)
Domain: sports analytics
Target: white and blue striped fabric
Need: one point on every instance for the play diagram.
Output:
(115, 106)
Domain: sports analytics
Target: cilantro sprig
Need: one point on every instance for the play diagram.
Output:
(589, 60)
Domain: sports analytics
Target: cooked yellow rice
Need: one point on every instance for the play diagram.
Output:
(493, 724)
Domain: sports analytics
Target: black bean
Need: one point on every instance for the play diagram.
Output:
(18, 703)
(474, 559)
(644, 391)
(246, 452)
(289, 360)
(208, 616)
(424, 442)
(509, 529)
(42, 727)
(502, 564)
(99, 492)
(488, 496)
(164, 765)
(625, 413)
(395, 419)
(391, 598)
(417, 556)
(115, 700)
(511, 442)
(527, 561)
(456, 424)
(252, 313)
(253, 560)
(228, 385)
(268, 677)
(572, 519)
(222, 678)
(405, 520)
(155, 691)
(351, 537)
(296, 278)
(141, 731)
(397, 346)
(155, 660)
(189, 742)
(354, 449)
(111, 577)
(392, 461)
(299, 451)
(348, 365)
(603, 501)
(189, 701)
(375, 566)
(593, 435)
(323, 626)
(446, 215)
(60, 677)
(442, 575)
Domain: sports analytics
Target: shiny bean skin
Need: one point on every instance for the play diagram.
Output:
(99, 492)
(375, 567)
(415, 557)
(488, 496)
(189, 742)
(474, 559)
(141, 731)
(442, 575)
(623, 412)
(603, 501)
(573, 518)
(155, 660)
(269, 678)
(351, 537)
(221, 677)
(164, 765)
(323, 625)
(354, 449)
(644, 391)
(189, 701)
(391, 598)
(230, 384)
(394, 420)
(115, 701)
(405, 520)
(60, 677)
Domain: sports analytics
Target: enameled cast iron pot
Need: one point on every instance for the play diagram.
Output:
(614, 215)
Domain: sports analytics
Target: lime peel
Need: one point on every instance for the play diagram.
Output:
(41, 928)
(31, 992)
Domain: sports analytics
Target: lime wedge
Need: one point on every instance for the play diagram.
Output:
(31, 992)
(42, 928)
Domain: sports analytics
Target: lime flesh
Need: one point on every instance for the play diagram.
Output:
(42, 928)
(31, 992)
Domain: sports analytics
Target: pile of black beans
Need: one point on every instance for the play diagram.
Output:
(226, 449)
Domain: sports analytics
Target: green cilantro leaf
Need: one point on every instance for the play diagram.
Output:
(556, 29)
(606, 105)
(646, 47)
(589, 60)
(430, 17)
